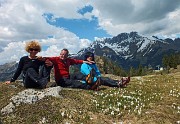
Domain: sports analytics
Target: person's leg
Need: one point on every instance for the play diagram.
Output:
(69, 83)
(34, 76)
(77, 76)
(109, 82)
(45, 72)
(80, 76)
(28, 83)
(61, 82)
(90, 77)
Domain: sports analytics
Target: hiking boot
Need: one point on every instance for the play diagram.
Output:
(90, 77)
(96, 85)
(124, 81)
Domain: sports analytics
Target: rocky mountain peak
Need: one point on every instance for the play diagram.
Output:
(132, 49)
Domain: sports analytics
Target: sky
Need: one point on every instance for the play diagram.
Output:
(74, 24)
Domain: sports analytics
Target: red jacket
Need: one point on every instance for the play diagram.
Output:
(61, 69)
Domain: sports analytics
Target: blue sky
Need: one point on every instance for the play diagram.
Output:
(83, 28)
(75, 24)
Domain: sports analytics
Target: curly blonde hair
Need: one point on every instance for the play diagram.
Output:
(33, 44)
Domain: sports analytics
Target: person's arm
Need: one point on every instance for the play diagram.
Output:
(85, 69)
(89, 62)
(49, 63)
(78, 61)
(97, 70)
(48, 60)
(74, 61)
(18, 71)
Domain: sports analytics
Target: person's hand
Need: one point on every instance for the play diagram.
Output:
(7, 82)
(48, 62)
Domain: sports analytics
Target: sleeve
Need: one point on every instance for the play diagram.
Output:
(18, 71)
(97, 70)
(52, 59)
(43, 62)
(85, 69)
(75, 61)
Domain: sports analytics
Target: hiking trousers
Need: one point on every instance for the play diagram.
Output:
(32, 79)
(108, 82)
(103, 80)
(71, 83)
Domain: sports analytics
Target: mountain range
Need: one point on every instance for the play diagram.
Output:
(126, 49)
(7, 70)
(131, 49)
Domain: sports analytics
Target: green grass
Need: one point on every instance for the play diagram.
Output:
(148, 99)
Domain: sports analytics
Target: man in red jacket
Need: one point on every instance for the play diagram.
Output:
(61, 70)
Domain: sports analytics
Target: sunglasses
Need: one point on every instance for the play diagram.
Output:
(31, 49)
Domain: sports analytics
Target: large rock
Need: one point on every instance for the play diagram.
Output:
(30, 96)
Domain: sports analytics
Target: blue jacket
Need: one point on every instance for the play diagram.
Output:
(86, 68)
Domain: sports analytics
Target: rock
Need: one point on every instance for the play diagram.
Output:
(8, 109)
(30, 96)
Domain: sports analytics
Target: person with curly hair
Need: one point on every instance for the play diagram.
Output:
(35, 72)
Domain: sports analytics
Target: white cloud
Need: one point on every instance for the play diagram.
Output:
(53, 50)
(69, 43)
(12, 52)
(148, 17)
(23, 20)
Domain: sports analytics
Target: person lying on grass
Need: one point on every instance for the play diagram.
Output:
(93, 75)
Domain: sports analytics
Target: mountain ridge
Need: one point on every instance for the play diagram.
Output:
(131, 49)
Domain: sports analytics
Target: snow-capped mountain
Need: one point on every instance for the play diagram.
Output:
(131, 49)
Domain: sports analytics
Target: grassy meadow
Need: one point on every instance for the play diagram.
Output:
(152, 99)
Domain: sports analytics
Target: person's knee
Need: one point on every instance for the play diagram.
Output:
(30, 70)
